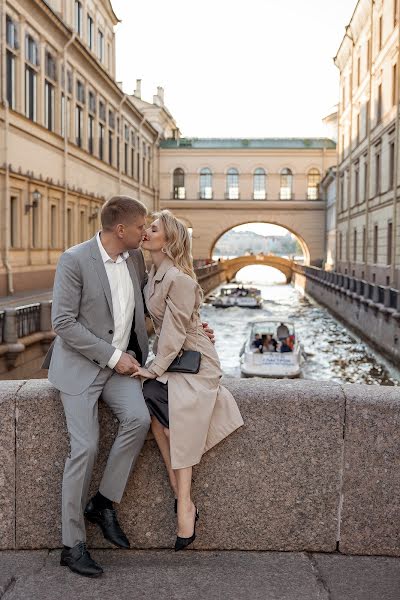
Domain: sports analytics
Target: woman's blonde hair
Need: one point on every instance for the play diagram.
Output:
(178, 246)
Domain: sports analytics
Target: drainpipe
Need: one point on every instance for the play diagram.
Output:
(366, 274)
(65, 233)
(141, 161)
(349, 186)
(153, 170)
(124, 97)
(6, 208)
(396, 170)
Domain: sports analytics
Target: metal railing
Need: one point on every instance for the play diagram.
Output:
(365, 290)
(28, 319)
(2, 321)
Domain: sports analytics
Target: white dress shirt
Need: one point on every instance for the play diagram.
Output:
(123, 300)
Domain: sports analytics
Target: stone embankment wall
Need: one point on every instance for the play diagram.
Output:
(371, 310)
(316, 467)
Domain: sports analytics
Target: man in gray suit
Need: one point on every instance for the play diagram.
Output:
(98, 316)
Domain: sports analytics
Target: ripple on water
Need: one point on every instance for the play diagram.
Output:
(333, 352)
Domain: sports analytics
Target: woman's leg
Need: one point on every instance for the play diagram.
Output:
(186, 508)
(163, 444)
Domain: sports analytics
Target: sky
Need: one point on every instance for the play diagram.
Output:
(234, 68)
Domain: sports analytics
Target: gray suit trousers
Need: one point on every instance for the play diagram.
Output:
(125, 398)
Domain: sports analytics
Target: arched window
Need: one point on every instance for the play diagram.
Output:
(313, 181)
(232, 184)
(179, 184)
(286, 184)
(206, 184)
(259, 191)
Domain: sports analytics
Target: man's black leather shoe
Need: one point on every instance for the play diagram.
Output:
(107, 520)
(79, 561)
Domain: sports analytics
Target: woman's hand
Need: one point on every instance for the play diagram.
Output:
(143, 373)
(209, 332)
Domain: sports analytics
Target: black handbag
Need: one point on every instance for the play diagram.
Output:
(187, 361)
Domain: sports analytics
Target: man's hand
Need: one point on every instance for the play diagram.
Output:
(126, 364)
(209, 332)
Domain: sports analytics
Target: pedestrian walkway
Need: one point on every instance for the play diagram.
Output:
(23, 298)
(194, 575)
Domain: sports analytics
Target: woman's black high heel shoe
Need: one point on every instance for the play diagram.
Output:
(181, 542)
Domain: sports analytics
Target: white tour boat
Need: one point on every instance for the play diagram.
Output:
(238, 295)
(271, 350)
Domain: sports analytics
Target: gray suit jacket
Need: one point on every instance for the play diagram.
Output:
(82, 317)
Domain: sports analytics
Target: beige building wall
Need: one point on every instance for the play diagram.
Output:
(212, 217)
(57, 86)
(368, 226)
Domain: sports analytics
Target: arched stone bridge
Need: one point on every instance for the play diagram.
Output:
(233, 265)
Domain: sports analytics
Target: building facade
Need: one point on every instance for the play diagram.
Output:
(368, 174)
(328, 193)
(70, 137)
(216, 184)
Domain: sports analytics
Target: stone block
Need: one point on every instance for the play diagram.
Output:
(274, 484)
(8, 393)
(370, 517)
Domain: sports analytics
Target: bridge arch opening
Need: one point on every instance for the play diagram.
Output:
(261, 274)
(260, 238)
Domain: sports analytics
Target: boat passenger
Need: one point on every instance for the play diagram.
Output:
(282, 332)
(257, 343)
(285, 345)
(269, 344)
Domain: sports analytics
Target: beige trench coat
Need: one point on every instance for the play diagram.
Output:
(201, 411)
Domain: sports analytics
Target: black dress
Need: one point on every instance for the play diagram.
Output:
(156, 396)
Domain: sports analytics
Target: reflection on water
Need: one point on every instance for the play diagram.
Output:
(333, 352)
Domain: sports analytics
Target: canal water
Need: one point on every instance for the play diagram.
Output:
(333, 352)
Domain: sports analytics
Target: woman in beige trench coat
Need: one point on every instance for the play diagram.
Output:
(191, 413)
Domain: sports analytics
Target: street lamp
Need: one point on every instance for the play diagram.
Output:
(36, 196)
(94, 214)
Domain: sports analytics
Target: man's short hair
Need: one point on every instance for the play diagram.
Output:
(121, 209)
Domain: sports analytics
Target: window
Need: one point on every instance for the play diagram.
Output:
(101, 141)
(126, 148)
(314, 179)
(35, 226)
(375, 248)
(391, 165)
(395, 84)
(356, 183)
(78, 17)
(340, 245)
(14, 222)
(90, 32)
(100, 45)
(232, 184)
(30, 93)
(110, 146)
(49, 105)
(137, 158)
(11, 34)
(377, 173)
(379, 104)
(92, 103)
(179, 184)
(259, 177)
(205, 184)
(32, 58)
(355, 245)
(389, 243)
(143, 162)
(341, 194)
(78, 125)
(286, 184)
(80, 92)
(365, 179)
(395, 12)
(90, 134)
(380, 32)
(102, 111)
(50, 67)
(358, 129)
(82, 225)
(364, 246)
(53, 226)
(69, 227)
(358, 71)
(118, 152)
(11, 81)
